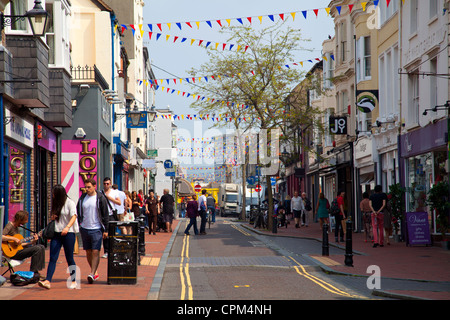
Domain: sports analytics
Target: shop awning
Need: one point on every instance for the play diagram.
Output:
(185, 189)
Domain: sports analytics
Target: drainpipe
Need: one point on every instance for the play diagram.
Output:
(2, 142)
(113, 22)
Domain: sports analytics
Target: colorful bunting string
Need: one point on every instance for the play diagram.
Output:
(250, 19)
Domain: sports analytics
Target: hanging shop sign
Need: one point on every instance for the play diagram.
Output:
(78, 163)
(338, 125)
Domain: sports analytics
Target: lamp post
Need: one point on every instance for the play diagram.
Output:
(37, 17)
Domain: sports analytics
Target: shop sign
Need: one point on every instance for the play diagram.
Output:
(17, 170)
(338, 125)
(418, 228)
(78, 163)
(19, 130)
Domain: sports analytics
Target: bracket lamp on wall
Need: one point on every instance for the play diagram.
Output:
(37, 17)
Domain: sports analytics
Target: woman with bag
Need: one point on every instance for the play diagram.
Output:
(64, 213)
(322, 210)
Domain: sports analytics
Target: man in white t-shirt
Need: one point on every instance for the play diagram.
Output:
(92, 214)
(202, 211)
(113, 198)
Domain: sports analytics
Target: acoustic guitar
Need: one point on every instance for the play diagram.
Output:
(10, 247)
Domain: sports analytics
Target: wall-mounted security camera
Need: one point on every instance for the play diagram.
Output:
(80, 134)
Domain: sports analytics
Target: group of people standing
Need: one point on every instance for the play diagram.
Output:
(375, 213)
(89, 217)
(198, 208)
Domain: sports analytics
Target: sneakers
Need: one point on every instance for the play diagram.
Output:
(91, 278)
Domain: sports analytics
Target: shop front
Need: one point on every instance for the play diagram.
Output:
(424, 156)
(19, 143)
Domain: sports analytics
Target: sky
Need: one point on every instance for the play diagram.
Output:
(174, 60)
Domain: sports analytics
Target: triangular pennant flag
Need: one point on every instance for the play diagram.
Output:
(293, 16)
(304, 13)
(282, 16)
(132, 27)
(159, 26)
(175, 39)
(183, 40)
(150, 35)
(167, 37)
(316, 11)
(328, 11)
(219, 22)
(178, 25)
(239, 20)
(363, 5)
(198, 24)
(169, 25)
(376, 3)
(339, 9)
(271, 17)
(229, 21)
(150, 26)
(388, 2)
(249, 19)
(157, 36)
(142, 31)
(350, 8)
(208, 43)
(260, 19)
(189, 24)
(231, 46)
(209, 23)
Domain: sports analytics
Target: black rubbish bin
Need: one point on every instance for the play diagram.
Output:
(123, 252)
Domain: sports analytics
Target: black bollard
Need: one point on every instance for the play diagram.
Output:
(348, 244)
(141, 237)
(274, 224)
(325, 245)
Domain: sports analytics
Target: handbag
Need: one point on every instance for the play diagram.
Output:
(114, 211)
(49, 230)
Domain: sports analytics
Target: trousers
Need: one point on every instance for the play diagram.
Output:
(378, 228)
(58, 241)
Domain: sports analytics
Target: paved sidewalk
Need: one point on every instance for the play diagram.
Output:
(148, 273)
(396, 261)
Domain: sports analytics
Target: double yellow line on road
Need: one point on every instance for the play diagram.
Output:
(186, 284)
(327, 286)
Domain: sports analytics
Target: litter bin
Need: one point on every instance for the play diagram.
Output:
(123, 253)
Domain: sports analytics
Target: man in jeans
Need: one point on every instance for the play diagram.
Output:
(202, 211)
(297, 207)
(93, 217)
(211, 204)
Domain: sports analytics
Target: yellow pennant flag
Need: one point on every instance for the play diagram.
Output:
(192, 41)
(229, 21)
(260, 19)
(328, 11)
(198, 25)
(142, 31)
(238, 48)
(167, 37)
(363, 5)
(169, 25)
(217, 45)
(293, 15)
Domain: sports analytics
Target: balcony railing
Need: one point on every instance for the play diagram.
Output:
(88, 73)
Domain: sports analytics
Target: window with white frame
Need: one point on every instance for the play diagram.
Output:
(433, 8)
(50, 33)
(413, 16)
(363, 59)
(413, 95)
(343, 39)
(18, 8)
(388, 82)
(433, 83)
(328, 71)
(387, 12)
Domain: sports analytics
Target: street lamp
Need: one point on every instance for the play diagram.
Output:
(135, 116)
(37, 17)
(151, 114)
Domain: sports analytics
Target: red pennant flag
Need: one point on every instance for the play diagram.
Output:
(388, 2)
(175, 39)
(224, 45)
(350, 7)
(316, 11)
(159, 26)
(282, 16)
(189, 24)
(219, 22)
(249, 19)
(193, 80)
(213, 77)
(150, 35)
(200, 42)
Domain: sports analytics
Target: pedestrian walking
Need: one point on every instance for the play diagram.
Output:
(120, 207)
(366, 211)
(308, 208)
(93, 218)
(297, 207)
(113, 199)
(168, 203)
(287, 206)
(202, 212)
(152, 212)
(192, 214)
(322, 210)
(183, 208)
(340, 217)
(135, 204)
(64, 212)
(211, 205)
(377, 203)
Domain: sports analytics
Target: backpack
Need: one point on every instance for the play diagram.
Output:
(23, 278)
(334, 208)
(308, 205)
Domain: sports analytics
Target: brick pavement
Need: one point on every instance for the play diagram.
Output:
(396, 260)
(100, 290)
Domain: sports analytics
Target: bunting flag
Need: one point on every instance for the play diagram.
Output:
(201, 43)
(251, 19)
(195, 79)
